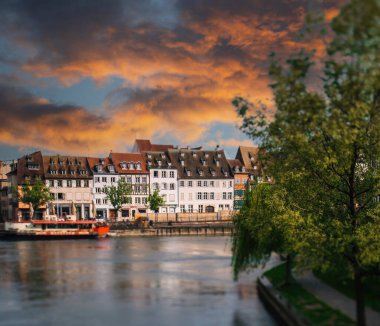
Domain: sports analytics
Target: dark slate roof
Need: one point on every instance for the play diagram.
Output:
(249, 156)
(158, 160)
(237, 166)
(200, 164)
(66, 167)
(29, 167)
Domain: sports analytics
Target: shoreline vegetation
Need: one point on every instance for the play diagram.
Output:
(295, 299)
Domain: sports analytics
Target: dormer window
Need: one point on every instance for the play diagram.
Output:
(252, 158)
(213, 173)
(236, 169)
(149, 163)
(163, 156)
(101, 161)
(29, 158)
(182, 162)
(206, 155)
(123, 165)
(149, 156)
(169, 164)
(138, 166)
(225, 174)
(243, 169)
(60, 162)
(182, 154)
(130, 166)
(194, 154)
(33, 166)
(111, 168)
(219, 155)
(200, 172)
(52, 162)
(99, 168)
(63, 171)
(203, 162)
(72, 172)
(82, 172)
(159, 162)
(188, 173)
(53, 171)
(217, 162)
(70, 162)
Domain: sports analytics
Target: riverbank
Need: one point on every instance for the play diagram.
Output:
(292, 304)
(175, 229)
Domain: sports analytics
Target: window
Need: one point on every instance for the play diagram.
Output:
(99, 168)
(138, 166)
(60, 196)
(230, 195)
(98, 190)
(221, 207)
(125, 213)
(205, 195)
(51, 183)
(78, 183)
(171, 198)
(227, 207)
(190, 183)
(97, 179)
(138, 200)
(212, 184)
(190, 196)
(69, 183)
(59, 183)
(163, 174)
(144, 200)
(199, 195)
(123, 165)
(182, 183)
(172, 174)
(155, 174)
(191, 209)
(212, 195)
(224, 184)
(237, 181)
(182, 207)
(224, 195)
(205, 183)
(98, 201)
(86, 183)
(182, 196)
(155, 186)
(112, 179)
(138, 179)
(144, 179)
(200, 208)
(129, 179)
(199, 183)
(104, 179)
(244, 181)
(188, 172)
(104, 201)
(231, 184)
(164, 186)
(172, 186)
(111, 168)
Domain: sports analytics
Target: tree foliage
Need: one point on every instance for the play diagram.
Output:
(118, 194)
(36, 195)
(155, 201)
(323, 147)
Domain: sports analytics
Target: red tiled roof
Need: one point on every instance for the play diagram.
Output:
(118, 158)
(144, 145)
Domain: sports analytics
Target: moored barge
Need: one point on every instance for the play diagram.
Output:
(46, 230)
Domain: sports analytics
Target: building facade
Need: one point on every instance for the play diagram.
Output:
(163, 177)
(205, 181)
(132, 168)
(241, 178)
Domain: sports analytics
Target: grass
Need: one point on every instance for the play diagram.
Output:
(346, 287)
(306, 304)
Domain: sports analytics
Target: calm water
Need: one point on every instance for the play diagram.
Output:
(131, 281)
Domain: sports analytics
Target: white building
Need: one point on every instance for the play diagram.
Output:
(205, 181)
(163, 177)
(104, 175)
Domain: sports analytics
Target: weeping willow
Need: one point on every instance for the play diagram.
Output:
(256, 235)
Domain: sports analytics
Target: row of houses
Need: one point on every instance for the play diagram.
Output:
(189, 179)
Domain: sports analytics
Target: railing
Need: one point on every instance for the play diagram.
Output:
(188, 217)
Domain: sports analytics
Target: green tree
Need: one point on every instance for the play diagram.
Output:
(118, 194)
(36, 194)
(323, 147)
(262, 227)
(155, 201)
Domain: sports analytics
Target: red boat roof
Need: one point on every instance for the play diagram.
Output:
(63, 222)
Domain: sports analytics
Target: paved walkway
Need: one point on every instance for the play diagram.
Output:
(335, 299)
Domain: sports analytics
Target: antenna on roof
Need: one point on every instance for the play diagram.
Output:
(217, 147)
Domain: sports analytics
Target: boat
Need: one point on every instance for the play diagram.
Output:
(45, 229)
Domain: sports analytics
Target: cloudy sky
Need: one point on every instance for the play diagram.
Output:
(89, 76)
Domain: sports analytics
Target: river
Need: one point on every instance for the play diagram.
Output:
(130, 281)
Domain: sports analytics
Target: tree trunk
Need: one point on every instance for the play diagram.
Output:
(288, 266)
(359, 293)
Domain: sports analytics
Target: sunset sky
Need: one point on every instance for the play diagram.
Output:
(86, 77)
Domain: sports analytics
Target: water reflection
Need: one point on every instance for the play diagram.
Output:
(162, 281)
